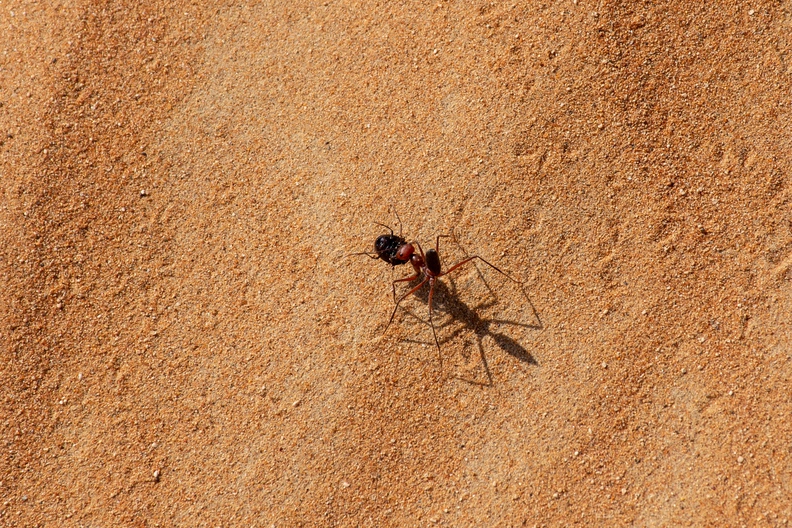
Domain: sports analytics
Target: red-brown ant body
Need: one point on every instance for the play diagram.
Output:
(395, 250)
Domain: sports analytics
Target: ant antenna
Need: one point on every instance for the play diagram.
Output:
(400, 222)
(386, 227)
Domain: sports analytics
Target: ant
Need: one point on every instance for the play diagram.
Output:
(395, 250)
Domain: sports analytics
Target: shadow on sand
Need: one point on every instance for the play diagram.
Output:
(446, 300)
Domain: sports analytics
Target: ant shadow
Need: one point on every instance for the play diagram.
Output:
(448, 301)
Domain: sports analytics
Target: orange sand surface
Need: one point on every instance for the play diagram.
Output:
(185, 342)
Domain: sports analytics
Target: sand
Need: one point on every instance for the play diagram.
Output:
(185, 342)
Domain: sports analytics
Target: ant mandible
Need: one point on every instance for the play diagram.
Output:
(395, 250)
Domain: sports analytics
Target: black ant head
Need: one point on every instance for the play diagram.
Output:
(387, 247)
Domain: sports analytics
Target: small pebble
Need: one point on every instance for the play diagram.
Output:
(740, 460)
(143, 192)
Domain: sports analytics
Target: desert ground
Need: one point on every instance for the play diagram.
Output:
(186, 338)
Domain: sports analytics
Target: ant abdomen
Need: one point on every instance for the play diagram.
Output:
(433, 261)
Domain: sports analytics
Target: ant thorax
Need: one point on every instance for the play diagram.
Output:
(405, 252)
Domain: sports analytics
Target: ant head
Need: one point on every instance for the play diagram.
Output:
(384, 243)
(388, 247)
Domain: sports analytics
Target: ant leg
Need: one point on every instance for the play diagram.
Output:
(400, 300)
(458, 264)
(405, 279)
(431, 322)
(437, 242)
(369, 255)
(493, 266)
(421, 250)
